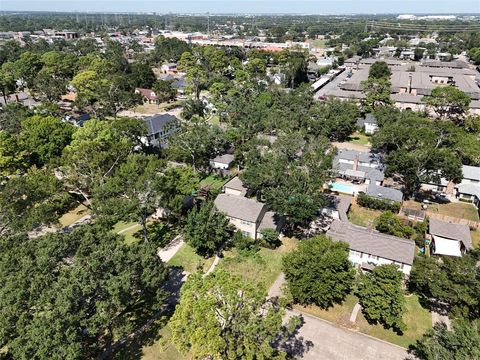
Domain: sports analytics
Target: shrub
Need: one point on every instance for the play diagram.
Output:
(377, 204)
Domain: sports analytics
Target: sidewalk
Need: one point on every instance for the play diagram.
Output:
(171, 249)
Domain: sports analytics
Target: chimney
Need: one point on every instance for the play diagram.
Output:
(409, 89)
(355, 163)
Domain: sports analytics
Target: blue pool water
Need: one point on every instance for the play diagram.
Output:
(343, 188)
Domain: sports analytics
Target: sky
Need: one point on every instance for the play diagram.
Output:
(249, 6)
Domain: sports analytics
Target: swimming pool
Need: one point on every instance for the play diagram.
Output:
(343, 188)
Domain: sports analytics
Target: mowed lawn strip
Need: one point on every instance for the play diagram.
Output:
(417, 319)
(361, 216)
(189, 261)
(73, 215)
(262, 268)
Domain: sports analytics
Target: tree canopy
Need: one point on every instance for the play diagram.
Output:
(381, 296)
(319, 272)
(223, 317)
(70, 295)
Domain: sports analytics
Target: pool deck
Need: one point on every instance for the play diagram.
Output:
(356, 188)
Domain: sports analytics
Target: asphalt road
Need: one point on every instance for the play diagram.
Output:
(328, 342)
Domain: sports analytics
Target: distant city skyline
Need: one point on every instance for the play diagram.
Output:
(250, 6)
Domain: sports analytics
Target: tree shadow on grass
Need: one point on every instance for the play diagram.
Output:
(132, 349)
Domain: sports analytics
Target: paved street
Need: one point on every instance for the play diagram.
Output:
(327, 341)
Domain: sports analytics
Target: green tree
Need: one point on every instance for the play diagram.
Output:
(44, 137)
(96, 150)
(31, 200)
(462, 343)
(206, 230)
(319, 272)
(334, 118)
(134, 191)
(381, 296)
(377, 93)
(448, 102)
(388, 223)
(169, 49)
(418, 54)
(379, 70)
(453, 282)
(7, 79)
(13, 159)
(223, 317)
(70, 295)
(164, 90)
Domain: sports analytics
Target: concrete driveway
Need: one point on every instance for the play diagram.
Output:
(324, 341)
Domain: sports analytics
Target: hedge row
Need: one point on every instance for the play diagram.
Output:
(377, 204)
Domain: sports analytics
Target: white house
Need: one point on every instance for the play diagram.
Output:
(368, 124)
(448, 238)
(469, 187)
(222, 162)
(369, 248)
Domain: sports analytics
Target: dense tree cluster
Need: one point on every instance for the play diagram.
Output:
(223, 317)
(319, 272)
(69, 295)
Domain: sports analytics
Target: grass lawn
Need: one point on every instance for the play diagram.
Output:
(459, 209)
(361, 216)
(475, 237)
(73, 215)
(127, 229)
(318, 43)
(215, 181)
(359, 138)
(417, 319)
(187, 259)
(162, 349)
(154, 108)
(261, 268)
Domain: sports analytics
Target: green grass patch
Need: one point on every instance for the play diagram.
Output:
(318, 43)
(359, 138)
(261, 268)
(187, 259)
(461, 210)
(417, 319)
(475, 238)
(73, 215)
(128, 230)
(361, 216)
(214, 181)
(163, 349)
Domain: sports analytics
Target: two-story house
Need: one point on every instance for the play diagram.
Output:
(247, 215)
(369, 248)
(159, 128)
(363, 167)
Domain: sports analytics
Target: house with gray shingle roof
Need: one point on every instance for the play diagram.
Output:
(248, 215)
(469, 188)
(384, 193)
(160, 127)
(449, 238)
(358, 166)
(369, 248)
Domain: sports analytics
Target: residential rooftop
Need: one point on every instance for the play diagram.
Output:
(448, 230)
(373, 242)
(239, 207)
